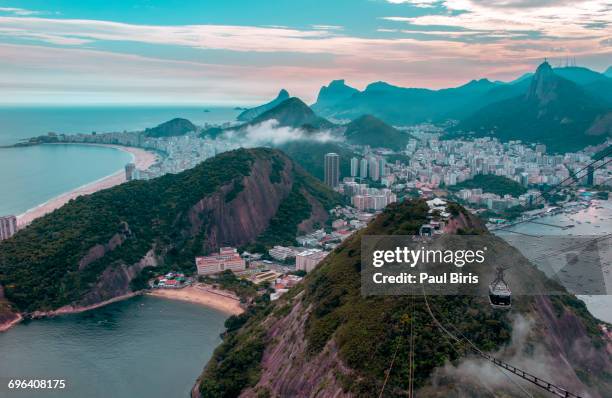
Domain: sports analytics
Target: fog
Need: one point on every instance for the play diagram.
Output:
(270, 133)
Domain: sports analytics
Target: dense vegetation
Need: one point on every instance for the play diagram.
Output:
(493, 184)
(369, 130)
(235, 364)
(170, 128)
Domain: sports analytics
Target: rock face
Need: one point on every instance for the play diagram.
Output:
(252, 113)
(245, 217)
(335, 93)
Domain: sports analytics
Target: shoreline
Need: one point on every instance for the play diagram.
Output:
(222, 301)
(9, 324)
(142, 158)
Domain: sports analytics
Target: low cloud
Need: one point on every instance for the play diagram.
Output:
(522, 353)
(270, 133)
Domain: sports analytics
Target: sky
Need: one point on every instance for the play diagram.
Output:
(241, 52)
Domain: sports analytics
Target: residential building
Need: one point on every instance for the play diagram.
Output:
(354, 167)
(363, 168)
(8, 226)
(332, 170)
(130, 172)
(281, 253)
(227, 259)
(309, 259)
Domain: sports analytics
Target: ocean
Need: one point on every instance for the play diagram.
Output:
(141, 347)
(31, 176)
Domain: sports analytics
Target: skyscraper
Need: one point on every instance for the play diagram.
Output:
(8, 226)
(590, 175)
(130, 170)
(354, 167)
(382, 164)
(332, 170)
(374, 169)
(363, 168)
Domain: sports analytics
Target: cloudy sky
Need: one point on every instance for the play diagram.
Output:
(244, 51)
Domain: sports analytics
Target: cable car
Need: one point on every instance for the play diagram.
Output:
(500, 295)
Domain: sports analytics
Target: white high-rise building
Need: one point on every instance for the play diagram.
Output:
(374, 169)
(354, 167)
(363, 168)
(8, 226)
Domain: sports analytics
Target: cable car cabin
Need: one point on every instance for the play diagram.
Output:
(500, 295)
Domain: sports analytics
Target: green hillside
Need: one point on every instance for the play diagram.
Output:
(493, 184)
(369, 130)
(53, 262)
(171, 128)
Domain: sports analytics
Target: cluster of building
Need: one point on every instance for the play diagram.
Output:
(373, 167)
(8, 226)
(477, 198)
(172, 280)
(434, 163)
(365, 198)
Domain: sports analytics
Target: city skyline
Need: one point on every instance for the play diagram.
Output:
(240, 52)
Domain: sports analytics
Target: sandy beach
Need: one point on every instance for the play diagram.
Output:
(142, 158)
(219, 300)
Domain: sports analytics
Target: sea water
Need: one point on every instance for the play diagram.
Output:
(30, 176)
(142, 347)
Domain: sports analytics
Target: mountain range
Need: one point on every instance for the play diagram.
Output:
(99, 246)
(554, 111)
(579, 114)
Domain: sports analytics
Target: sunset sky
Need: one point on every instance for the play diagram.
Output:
(243, 52)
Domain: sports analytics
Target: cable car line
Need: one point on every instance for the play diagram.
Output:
(546, 385)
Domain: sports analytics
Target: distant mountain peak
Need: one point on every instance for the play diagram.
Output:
(544, 67)
(336, 92)
(544, 84)
(252, 113)
(293, 112)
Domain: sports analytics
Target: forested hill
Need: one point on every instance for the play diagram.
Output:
(94, 247)
(324, 338)
(492, 183)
